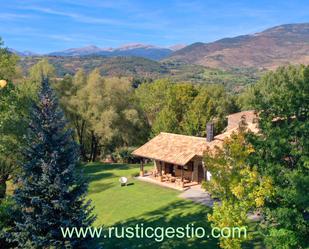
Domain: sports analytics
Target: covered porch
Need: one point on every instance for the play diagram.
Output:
(150, 178)
(175, 175)
(178, 159)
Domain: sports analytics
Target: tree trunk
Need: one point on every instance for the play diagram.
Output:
(91, 147)
(3, 185)
(94, 147)
(80, 129)
(95, 150)
(81, 141)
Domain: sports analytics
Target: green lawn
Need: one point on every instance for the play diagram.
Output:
(142, 203)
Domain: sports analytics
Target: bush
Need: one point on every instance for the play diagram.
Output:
(136, 174)
(8, 213)
(124, 155)
(204, 185)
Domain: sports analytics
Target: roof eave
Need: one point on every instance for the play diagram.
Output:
(160, 159)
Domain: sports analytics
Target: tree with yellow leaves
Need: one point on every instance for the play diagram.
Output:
(239, 186)
(3, 84)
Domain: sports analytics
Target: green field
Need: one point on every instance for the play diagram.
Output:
(142, 203)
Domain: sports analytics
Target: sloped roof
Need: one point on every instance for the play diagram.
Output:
(175, 148)
(180, 149)
(235, 118)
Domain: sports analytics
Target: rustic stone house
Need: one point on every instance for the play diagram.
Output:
(178, 158)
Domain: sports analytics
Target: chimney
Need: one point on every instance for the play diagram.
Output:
(209, 131)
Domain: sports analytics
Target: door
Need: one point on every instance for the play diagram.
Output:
(170, 169)
(200, 175)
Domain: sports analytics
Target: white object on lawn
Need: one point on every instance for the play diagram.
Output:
(208, 175)
(123, 180)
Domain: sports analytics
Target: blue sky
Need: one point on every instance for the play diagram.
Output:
(50, 25)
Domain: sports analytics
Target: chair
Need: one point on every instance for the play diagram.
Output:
(178, 180)
(167, 177)
(186, 180)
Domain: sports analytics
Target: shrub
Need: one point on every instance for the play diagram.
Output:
(136, 174)
(124, 155)
(8, 213)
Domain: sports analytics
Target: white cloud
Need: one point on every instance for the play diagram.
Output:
(73, 15)
(13, 16)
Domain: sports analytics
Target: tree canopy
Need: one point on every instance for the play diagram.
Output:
(102, 111)
(8, 63)
(282, 152)
(184, 108)
(14, 103)
(238, 185)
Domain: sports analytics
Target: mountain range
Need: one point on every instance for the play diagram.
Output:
(139, 50)
(23, 53)
(268, 49)
(135, 49)
(273, 47)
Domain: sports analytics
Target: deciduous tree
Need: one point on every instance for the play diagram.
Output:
(8, 64)
(41, 70)
(14, 104)
(282, 152)
(239, 186)
(103, 112)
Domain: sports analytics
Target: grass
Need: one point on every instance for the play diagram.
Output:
(142, 203)
(147, 204)
(120, 203)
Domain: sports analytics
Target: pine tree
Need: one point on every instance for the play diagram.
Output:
(51, 192)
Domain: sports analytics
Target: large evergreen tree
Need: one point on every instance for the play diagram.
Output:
(50, 193)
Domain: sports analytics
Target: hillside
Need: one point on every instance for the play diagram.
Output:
(269, 49)
(137, 67)
(111, 66)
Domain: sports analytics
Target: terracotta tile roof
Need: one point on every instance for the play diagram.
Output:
(175, 148)
(234, 119)
(180, 149)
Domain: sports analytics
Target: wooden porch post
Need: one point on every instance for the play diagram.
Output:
(160, 175)
(182, 183)
(141, 173)
(204, 171)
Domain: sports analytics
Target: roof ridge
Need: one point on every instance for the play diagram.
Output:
(245, 111)
(182, 135)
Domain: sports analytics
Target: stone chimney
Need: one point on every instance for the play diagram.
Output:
(210, 131)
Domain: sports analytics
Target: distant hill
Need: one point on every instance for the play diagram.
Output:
(109, 66)
(273, 47)
(141, 68)
(88, 50)
(22, 53)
